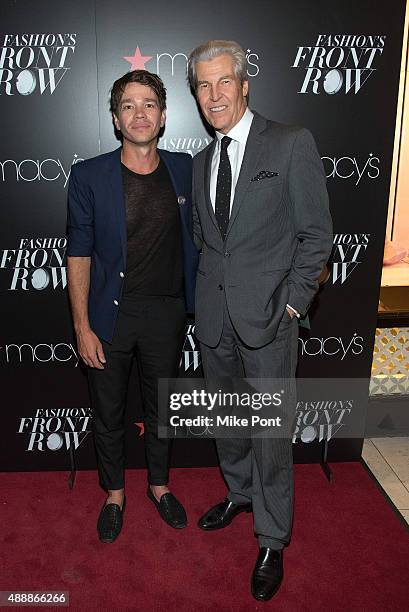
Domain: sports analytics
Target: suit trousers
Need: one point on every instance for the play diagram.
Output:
(260, 469)
(152, 330)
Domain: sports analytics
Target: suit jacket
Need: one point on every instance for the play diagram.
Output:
(97, 229)
(278, 239)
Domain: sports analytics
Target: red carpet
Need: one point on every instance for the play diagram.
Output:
(349, 551)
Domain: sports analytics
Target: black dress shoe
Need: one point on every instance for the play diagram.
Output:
(222, 514)
(170, 509)
(110, 521)
(267, 574)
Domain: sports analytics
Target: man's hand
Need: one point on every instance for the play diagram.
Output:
(90, 349)
(89, 346)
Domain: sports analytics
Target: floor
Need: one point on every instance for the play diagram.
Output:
(388, 460)
(340, 559)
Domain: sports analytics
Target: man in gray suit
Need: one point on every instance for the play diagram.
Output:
(262, 224)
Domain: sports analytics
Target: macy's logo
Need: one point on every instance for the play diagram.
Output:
(332, 346)
(166, 60)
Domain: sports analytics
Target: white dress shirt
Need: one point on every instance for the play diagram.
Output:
(239, 134)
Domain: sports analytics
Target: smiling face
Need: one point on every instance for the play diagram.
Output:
(139, 117)
(221, 95)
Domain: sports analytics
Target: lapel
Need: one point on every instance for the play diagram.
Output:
(173, 175)
(252, 154)
(178, 183)
(117, 195)
(206, 176)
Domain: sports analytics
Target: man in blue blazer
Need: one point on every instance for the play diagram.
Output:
(131, 273)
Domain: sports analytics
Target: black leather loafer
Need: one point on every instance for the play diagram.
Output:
(110, 522)
(222, 514)
(170, 509)
(267, 574)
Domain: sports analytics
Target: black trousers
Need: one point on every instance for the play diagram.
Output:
(152, 329)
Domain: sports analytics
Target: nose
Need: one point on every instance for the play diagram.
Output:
(214, 93)
(140, 111)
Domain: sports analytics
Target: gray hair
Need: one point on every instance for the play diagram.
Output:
(214, 48)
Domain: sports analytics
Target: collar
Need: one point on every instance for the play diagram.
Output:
(241, 130)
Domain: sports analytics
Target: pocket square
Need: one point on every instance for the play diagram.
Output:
(263, 174)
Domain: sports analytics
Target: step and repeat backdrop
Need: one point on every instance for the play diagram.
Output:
(331, 66)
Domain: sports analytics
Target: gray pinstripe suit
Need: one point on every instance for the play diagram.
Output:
(278, 239)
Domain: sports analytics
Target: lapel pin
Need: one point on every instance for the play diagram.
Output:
(181, 199)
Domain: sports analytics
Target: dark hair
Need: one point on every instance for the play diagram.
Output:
(137, 76)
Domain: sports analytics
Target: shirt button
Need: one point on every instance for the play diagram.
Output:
(121, 274)
(221, 287)
(227, 254)
(116, 302)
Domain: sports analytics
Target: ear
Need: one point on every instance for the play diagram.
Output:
(116, 121)
(163, 118)
(245, 88)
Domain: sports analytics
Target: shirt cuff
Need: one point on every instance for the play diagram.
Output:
(297, 314)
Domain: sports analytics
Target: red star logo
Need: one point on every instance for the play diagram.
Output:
(141, 428)
(138, 60)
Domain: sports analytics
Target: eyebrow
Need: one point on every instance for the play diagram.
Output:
(144, 99)
(226, 76)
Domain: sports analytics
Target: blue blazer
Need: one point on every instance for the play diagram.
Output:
(96, 228)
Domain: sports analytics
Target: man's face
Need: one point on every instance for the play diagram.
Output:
(220, 93)
(139, 117)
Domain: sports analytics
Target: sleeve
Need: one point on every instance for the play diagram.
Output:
(80, 217)
(312, 221)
